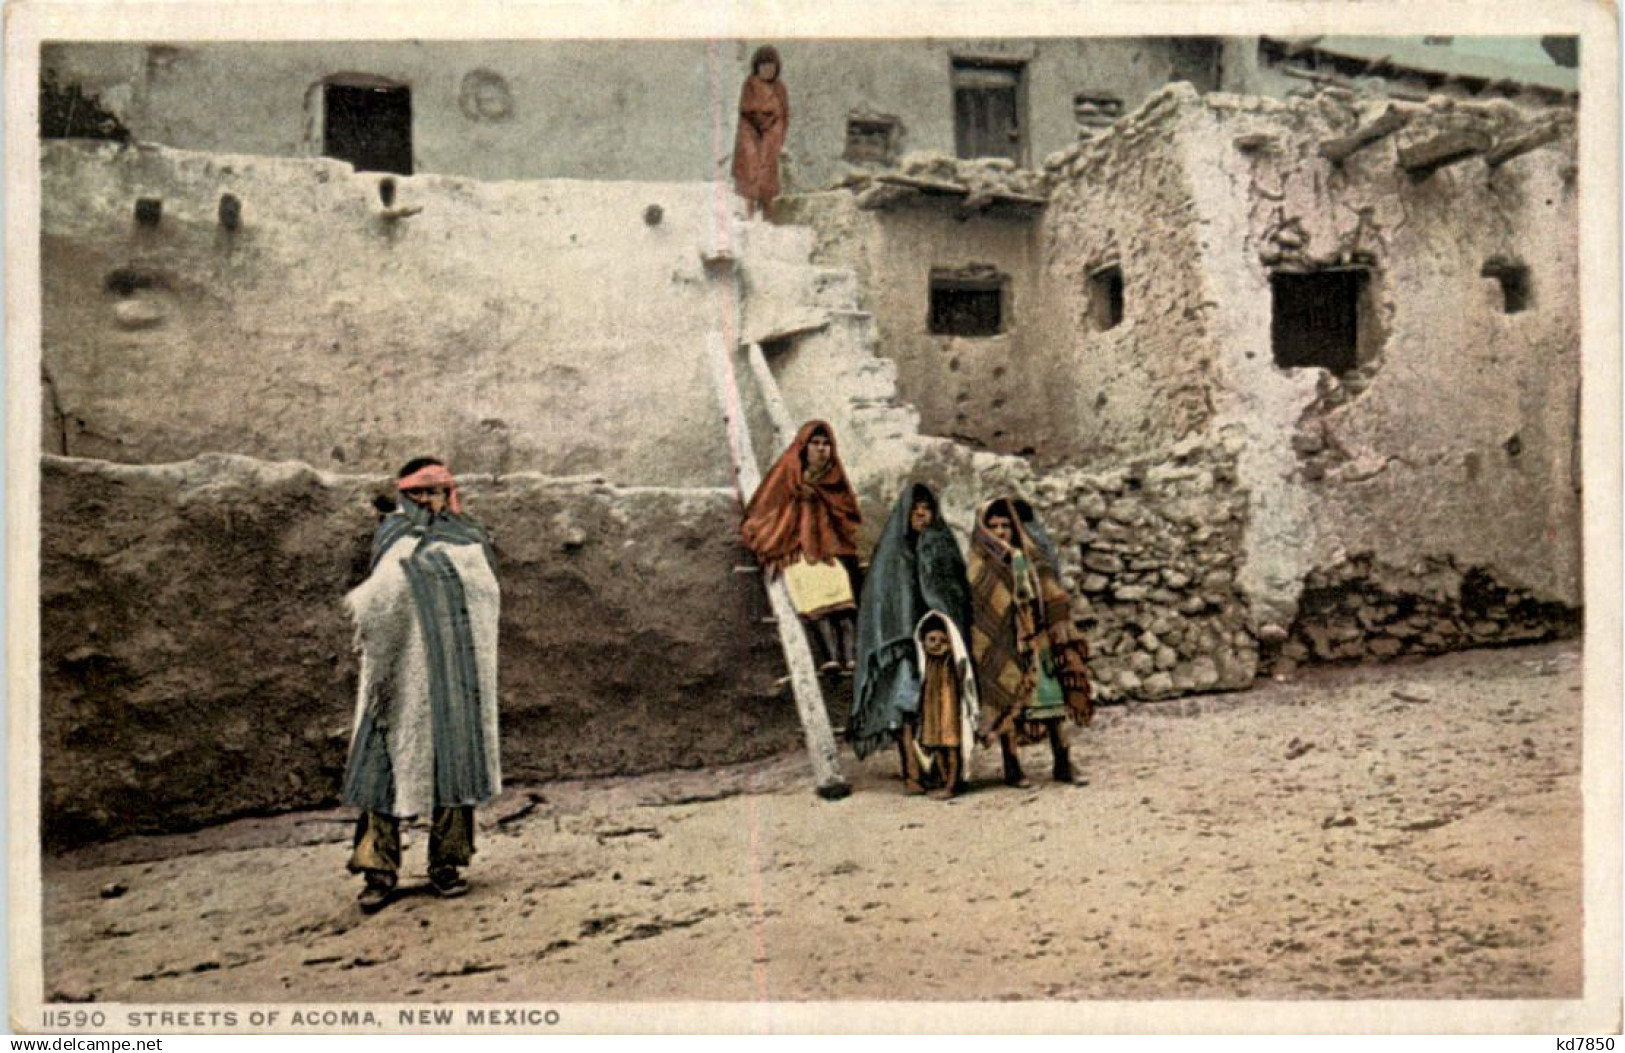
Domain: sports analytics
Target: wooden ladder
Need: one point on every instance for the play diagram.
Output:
(829, 782)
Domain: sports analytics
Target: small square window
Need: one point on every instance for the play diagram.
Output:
(1514, 281)
(988, 101)
(1106, 297)
(967, 306)
(1095, 111)
(871, 140)
(1315, 320)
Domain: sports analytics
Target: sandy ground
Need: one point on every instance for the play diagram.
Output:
(1404, 831)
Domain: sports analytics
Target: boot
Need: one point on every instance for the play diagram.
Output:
(913, 783)
(378, 891)
(1062, 753)
(1013, 775)
(826, 640)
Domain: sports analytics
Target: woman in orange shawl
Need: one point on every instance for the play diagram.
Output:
(803, 520)
(764, 118)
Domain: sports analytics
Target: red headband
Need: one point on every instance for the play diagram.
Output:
(434, 475)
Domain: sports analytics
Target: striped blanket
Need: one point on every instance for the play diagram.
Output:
(425, 732)
(1031, 660)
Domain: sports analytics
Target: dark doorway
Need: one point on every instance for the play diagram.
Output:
(368, 126)
(987, 109)
(967, 306)
(66, 112)
(1315, 320)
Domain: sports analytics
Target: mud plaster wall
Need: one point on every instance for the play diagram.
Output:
(506, 326)
(1364, 496)
(624, 110)
(1125, 198)
(1450, 455)
(1059, 386)
(988, 391)
(196, 661)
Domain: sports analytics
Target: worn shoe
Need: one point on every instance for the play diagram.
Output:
(1015, 777)
(375, 894)
(448, 884)
(1065, 774)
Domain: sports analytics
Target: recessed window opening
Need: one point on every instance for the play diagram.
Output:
(125, 282)
(967, 306)
(1196, 61)
(1514, 280)
(368, 125)
(870, 140)
(988, 101)
(1106, 297)
(1094, 111)
(1315, 318)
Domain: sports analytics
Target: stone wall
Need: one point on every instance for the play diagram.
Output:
(613, 110)
(1363, 610)
(1149, 551)
(196, 661)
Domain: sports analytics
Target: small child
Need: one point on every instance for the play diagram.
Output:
(948, 704)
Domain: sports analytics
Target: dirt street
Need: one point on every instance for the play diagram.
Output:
(1404, 831)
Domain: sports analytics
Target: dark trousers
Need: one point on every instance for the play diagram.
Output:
(378, 841)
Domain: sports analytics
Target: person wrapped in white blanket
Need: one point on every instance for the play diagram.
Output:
(425, 736)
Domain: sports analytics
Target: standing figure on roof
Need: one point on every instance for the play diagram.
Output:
(764, 120)
(1031, 661)
(803, 520)
(916, 569)
(425, 735)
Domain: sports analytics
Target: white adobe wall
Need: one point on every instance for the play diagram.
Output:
(538, 326)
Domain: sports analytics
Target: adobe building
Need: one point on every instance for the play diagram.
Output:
(1289, 379)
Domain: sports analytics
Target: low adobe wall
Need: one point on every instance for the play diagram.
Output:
(196, 661)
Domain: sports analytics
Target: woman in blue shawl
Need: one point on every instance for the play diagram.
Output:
(917, 568)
